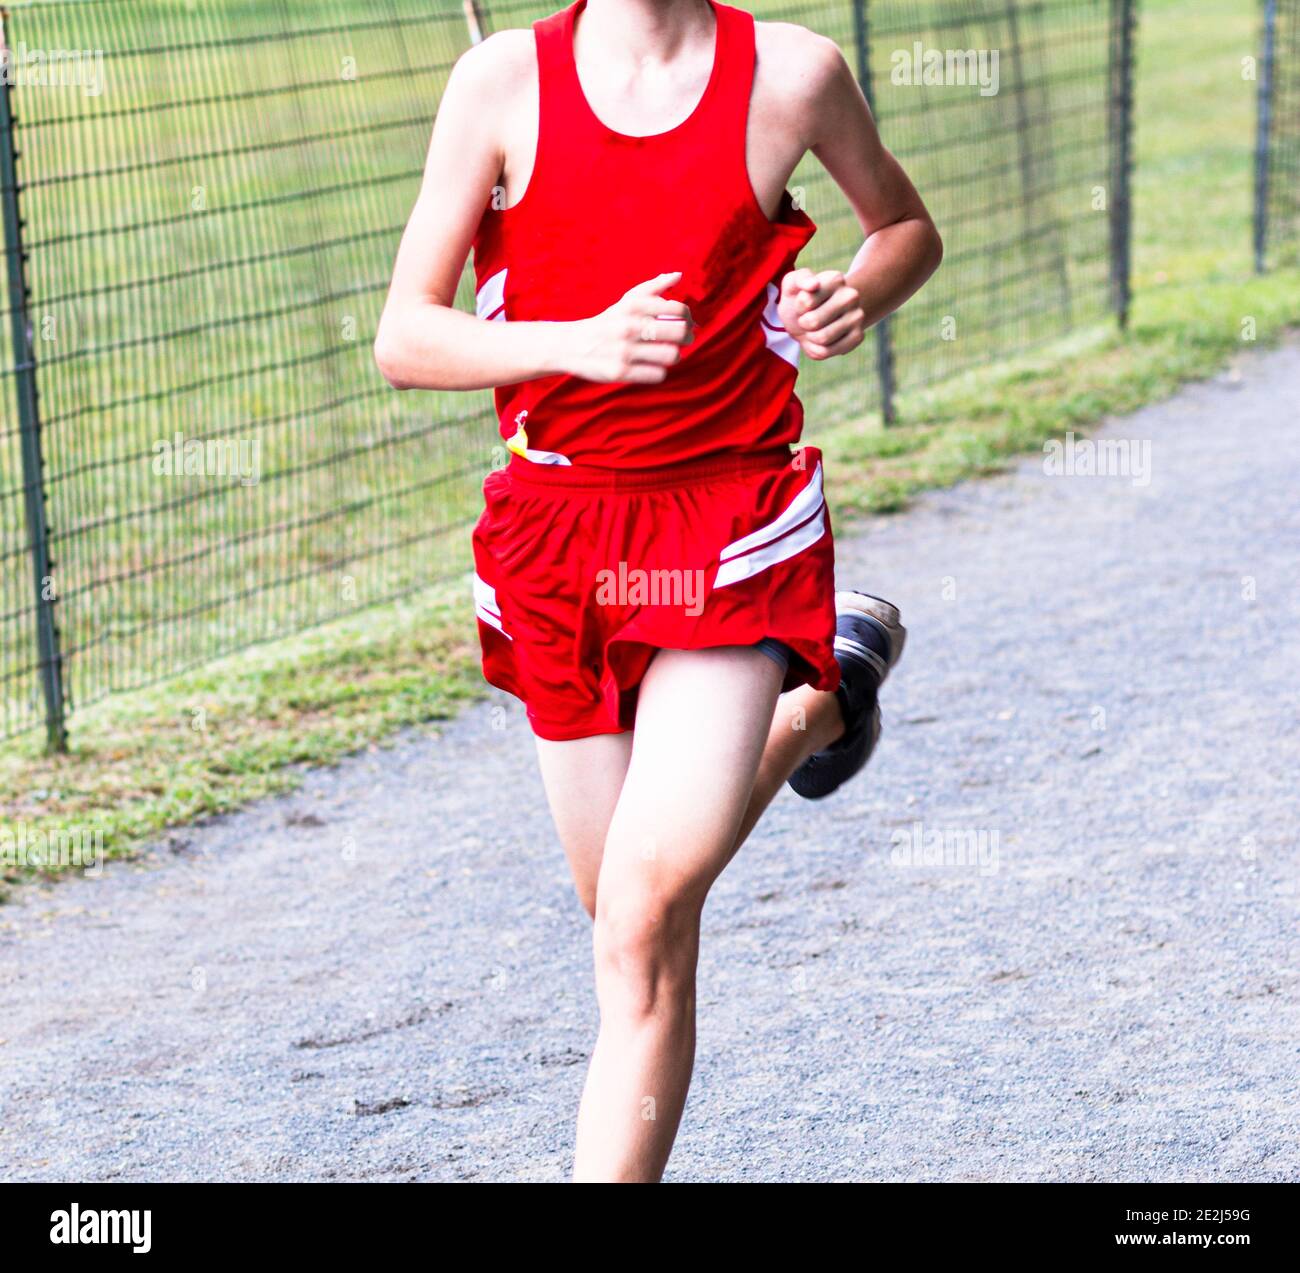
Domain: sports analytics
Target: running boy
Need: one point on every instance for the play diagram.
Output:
(654, 565)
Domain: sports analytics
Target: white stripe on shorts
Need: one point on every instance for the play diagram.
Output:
(774, 542)
(485, 605)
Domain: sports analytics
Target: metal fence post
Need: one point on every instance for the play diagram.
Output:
(884, 335)
(29, 421)
(473, 20)
(1034, 194)
(1264, 135)
(1122, 23)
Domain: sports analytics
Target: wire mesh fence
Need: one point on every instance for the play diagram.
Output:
(1013, 120)
(208, 241)
(1277, 150)
(202, 203)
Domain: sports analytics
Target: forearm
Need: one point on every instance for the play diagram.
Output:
(434, 347)
(892, 265)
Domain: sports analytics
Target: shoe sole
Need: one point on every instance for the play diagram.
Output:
(884, 613)
(810, 780)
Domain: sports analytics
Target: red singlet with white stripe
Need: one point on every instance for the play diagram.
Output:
(603, 212)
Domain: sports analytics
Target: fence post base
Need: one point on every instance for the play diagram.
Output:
(885, 369)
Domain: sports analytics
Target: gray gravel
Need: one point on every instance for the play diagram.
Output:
(385, 976)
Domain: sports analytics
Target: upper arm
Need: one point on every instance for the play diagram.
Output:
(464, 163)
(838, 128)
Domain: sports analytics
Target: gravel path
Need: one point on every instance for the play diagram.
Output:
(384, 976)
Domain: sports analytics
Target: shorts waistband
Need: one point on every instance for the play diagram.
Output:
(663, 477)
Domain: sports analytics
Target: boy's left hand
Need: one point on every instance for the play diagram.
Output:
(822, 312)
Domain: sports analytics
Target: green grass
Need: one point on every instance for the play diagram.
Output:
(206, 743)
(241, 728)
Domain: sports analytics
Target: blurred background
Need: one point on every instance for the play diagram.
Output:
(227, 547)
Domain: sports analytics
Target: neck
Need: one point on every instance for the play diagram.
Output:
(641, 31)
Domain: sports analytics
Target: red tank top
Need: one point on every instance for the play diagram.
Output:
(603, 212)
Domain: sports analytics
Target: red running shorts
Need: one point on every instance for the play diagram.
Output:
(582, 574)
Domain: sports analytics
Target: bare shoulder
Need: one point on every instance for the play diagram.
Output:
(491, 89)
(798, 74)
(496, 72)
(800, 61)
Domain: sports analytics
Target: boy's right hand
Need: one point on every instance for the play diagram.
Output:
(635, 340)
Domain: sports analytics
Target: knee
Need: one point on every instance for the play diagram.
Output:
(645, 948)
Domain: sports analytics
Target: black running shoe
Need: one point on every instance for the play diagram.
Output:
(869, 640)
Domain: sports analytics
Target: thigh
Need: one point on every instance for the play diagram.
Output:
(583, 778)
(703, 717)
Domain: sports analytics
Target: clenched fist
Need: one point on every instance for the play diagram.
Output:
(822, 312)
(636, 339)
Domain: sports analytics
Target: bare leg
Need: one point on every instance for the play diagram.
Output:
(583, 779)
(703, 720)
(805, 721)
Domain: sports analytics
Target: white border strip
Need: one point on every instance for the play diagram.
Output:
(490, 301)
(485, 605)
(739, 568)
(807, 502)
